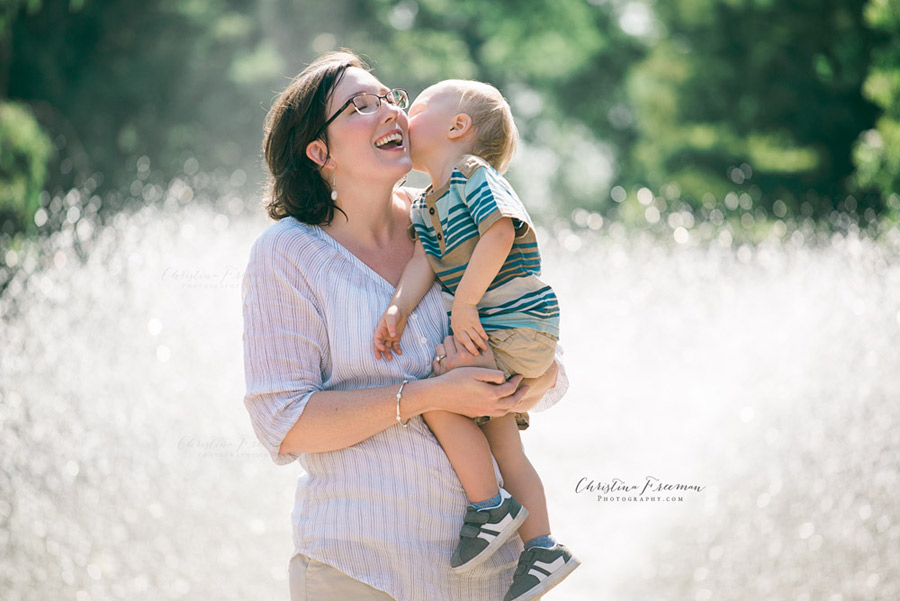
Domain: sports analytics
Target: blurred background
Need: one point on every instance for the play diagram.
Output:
(717, 184)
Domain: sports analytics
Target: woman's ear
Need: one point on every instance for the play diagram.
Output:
(317, 152)
(462, 123)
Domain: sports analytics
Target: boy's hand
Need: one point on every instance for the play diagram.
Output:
(467, 327)
(388, 333)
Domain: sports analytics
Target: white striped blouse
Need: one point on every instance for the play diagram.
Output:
(386, 511)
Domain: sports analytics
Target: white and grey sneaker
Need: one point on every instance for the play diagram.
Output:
(484, 531)
(539, 570)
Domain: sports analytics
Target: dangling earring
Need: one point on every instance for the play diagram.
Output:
(333, 189)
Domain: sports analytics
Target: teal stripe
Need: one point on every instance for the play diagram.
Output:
(449, 272)
(484, 208)
(466, 204)
(537, 295)
(461, 223)
(549, 308)
(503, 278)
(538, 312)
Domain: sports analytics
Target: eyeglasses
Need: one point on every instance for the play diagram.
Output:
(367, 103)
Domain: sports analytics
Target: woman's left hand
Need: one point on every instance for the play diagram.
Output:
(452, 355)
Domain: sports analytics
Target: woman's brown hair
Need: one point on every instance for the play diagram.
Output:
(296, 187)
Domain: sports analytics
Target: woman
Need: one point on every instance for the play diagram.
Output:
(377, 512)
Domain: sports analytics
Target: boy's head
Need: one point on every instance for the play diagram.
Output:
(471, 114)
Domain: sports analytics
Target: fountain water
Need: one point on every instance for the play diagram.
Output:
(766, 376)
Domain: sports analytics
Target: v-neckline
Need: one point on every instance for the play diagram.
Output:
(353, 258)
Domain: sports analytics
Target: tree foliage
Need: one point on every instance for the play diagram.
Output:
(24, 152)
(114, 80)
(877, 154)
(756, 96)
(790, 101)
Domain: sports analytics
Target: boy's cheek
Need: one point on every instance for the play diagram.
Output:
(412, 149)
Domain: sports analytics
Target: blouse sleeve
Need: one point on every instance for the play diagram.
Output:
(553, 395)
(285, 341)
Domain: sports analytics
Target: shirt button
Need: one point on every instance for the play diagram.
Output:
(424, 340)
(414, 316)
(440, 237)
(431, 210)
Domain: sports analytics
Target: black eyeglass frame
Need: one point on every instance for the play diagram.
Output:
(403, 104)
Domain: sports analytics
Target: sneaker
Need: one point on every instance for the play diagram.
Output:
(539, 570)
(485, 531)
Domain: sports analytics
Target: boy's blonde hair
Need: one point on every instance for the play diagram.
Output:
(495, 130)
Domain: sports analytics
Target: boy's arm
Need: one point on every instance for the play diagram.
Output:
(415, 282)
(488, 257)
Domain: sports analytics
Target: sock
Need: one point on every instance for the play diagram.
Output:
(488, 503)
(547, 542)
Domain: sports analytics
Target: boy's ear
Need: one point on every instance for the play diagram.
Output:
(461, 125)
(317, 152)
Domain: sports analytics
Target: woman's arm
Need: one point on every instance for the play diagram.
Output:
(335, 420)
(286, 351)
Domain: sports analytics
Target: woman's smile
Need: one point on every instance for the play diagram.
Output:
(391, 141)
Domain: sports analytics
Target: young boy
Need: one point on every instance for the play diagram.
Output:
(475, 236)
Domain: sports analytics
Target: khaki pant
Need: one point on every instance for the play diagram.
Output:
(313, 580)
(522, 351)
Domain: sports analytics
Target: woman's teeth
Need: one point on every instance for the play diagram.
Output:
(394, 139)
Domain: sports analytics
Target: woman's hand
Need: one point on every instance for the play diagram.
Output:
(455, 356)
(471, 384)
(476, 391)
(452, 355)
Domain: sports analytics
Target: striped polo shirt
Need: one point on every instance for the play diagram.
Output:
(450, 221)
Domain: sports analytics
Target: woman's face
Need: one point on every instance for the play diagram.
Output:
(360, 145)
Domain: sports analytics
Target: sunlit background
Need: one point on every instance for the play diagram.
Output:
(716, 186)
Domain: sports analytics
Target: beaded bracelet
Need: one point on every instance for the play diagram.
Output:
(399, 396)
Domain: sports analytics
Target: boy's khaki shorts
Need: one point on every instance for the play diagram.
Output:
(521, 351)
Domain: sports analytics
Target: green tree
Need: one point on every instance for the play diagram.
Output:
(877, 154)
(755, 96)
(712, 95)
(115, 80)
(560, 63)
(24, 152)
(24, 148)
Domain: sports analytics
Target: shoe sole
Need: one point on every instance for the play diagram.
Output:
(493, 545)
(550, 581)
